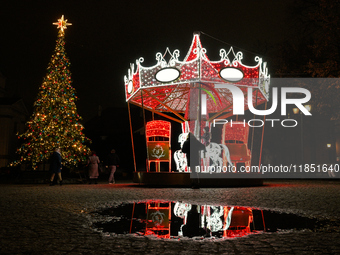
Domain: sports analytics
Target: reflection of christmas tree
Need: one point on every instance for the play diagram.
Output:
(55, 121)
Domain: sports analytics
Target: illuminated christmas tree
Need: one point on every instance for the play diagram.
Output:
(55, 121)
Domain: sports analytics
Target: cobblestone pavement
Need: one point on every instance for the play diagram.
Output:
(39, 219)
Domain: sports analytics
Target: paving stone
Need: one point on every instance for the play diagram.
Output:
(38, 219)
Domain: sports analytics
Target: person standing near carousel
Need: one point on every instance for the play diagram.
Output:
(93, 162)
(112, 163)
(192, 147)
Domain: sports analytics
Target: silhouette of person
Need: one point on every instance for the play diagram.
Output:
(93, 162)
(191, 147)
(112, 163)
(206, 136)
(192, 227)
(55, 166)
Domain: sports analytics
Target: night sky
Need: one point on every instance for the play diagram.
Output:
(106, 36)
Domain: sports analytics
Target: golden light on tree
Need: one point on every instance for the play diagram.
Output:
(55, 121)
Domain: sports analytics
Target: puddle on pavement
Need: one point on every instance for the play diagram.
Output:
(178, 220)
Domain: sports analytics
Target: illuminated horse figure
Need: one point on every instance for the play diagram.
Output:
(179, 156)
(181, 161)
(214, 152)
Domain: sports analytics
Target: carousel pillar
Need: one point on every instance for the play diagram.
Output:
(132, 142)
(264, 121)
(144, 123)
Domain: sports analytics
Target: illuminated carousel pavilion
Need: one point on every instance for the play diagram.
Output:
(196, 92)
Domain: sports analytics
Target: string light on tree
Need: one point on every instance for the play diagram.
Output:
(55, 121)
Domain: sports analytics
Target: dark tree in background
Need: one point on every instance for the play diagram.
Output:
(314, 52)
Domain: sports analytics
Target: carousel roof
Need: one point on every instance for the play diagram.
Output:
(171, 86)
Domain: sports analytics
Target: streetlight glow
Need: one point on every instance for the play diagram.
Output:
(295, 110)
(308, 107)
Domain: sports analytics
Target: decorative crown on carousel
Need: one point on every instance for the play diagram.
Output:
(165, 87)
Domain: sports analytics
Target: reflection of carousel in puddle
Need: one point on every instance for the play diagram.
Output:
(195, 92)
(177, 219)
(218, 221)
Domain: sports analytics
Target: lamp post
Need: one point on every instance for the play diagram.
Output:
(297, 111)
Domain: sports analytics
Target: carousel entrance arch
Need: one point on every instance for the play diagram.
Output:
(195, 92)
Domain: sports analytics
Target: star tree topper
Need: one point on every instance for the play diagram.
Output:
(62, 24)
